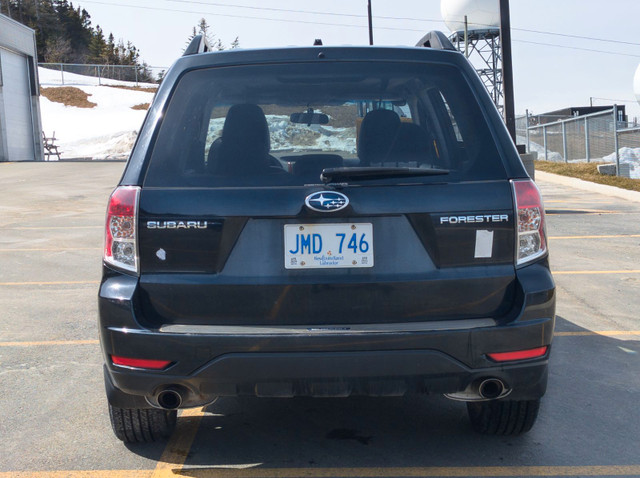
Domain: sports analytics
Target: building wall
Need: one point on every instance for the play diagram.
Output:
(17, 45)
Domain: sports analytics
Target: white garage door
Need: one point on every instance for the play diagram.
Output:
(17, 106)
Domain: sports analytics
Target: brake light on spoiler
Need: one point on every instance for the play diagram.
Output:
(531, 236)
(120, 245)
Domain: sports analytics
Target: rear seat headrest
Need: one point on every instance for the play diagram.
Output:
(378, 134)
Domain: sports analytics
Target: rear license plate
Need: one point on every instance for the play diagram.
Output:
(327, 246)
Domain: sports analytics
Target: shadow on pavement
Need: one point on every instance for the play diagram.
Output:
(589, 416)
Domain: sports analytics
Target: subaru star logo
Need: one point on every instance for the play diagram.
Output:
(326, 201)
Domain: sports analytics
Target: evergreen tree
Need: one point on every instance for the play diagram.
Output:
(64, 35)
(204, 29)
(97, 47)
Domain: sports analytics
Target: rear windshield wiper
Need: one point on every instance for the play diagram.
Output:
(330, 175)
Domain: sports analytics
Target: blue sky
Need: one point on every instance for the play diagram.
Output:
(546, 77)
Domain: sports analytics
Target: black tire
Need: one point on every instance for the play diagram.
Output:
(503, 417)
(138, 425)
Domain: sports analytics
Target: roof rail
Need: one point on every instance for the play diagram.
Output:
(199, 44)
(436, 40)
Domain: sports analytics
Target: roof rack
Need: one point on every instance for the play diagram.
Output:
(199, 44)
(436, 40)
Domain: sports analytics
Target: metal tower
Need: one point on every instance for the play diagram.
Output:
(483, 50)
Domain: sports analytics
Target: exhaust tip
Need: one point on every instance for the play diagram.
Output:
(491, 388)
(170, 399)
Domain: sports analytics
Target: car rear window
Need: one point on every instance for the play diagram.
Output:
(283, 124)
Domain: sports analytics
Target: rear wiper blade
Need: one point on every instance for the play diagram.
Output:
(330, 175)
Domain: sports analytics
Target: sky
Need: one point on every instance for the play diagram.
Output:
(552, 68)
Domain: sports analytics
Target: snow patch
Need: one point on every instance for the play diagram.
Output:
(630, 156)
(107, 130)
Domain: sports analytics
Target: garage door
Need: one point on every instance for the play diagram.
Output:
(17, 106)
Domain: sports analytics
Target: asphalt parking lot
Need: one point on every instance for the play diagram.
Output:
(53, 416)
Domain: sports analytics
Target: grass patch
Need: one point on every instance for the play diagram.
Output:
(141, 106)
(68, 96)
(147, 89)
(587, 172)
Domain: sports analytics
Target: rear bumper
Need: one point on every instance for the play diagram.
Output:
(432, 357)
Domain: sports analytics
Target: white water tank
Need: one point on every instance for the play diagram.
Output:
(636, 84)
(481, 14)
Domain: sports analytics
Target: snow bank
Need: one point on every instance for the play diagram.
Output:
(630, 156)
(287, 136)
(537, 148)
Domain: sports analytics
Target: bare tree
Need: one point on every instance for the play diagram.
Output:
(58, 50)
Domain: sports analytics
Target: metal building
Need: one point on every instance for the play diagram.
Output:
(20, 125)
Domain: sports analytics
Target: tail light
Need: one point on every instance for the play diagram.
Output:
(120, 245)
(531, 236)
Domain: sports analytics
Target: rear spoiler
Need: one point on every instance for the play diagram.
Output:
(199, 44)
(436, 40)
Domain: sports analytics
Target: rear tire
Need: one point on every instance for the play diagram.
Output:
(139, 425)
(503, 417)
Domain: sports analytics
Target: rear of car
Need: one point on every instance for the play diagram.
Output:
(324, 222)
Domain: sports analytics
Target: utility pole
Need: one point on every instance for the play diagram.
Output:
(370, 23)
(466, 38)
(507, 69)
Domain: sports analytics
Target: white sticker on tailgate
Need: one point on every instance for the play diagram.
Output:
(484, 244)
(320, 246)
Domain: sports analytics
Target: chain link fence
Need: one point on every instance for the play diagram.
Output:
(62, 74)
(598, 137)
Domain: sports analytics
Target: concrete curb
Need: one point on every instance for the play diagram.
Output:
(588, 186)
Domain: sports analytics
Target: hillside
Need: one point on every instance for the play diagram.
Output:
(104, 131)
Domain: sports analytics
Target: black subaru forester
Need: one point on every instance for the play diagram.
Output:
(324, 222)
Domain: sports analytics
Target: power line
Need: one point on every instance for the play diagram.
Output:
(610, 99)
(350, 25)
(430, 20)
(246, 17)
(576, 48)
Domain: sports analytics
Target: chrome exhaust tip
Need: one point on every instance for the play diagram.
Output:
(491, 388)
(481, 391)
(170, 398)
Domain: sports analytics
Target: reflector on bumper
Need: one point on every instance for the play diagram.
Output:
(518, 355)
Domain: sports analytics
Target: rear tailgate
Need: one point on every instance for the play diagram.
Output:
(217, 256)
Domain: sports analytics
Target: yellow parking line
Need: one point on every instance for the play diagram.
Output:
(584, 212)
(48, 342)
(634, 271)
(91, 282)
(37, 228)
(45, 343)
(612, 236)
(179, 445)
(53, 249)
(432, 471)
(577, 201)
(511, 471)
(606, 333)
(78, 474)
